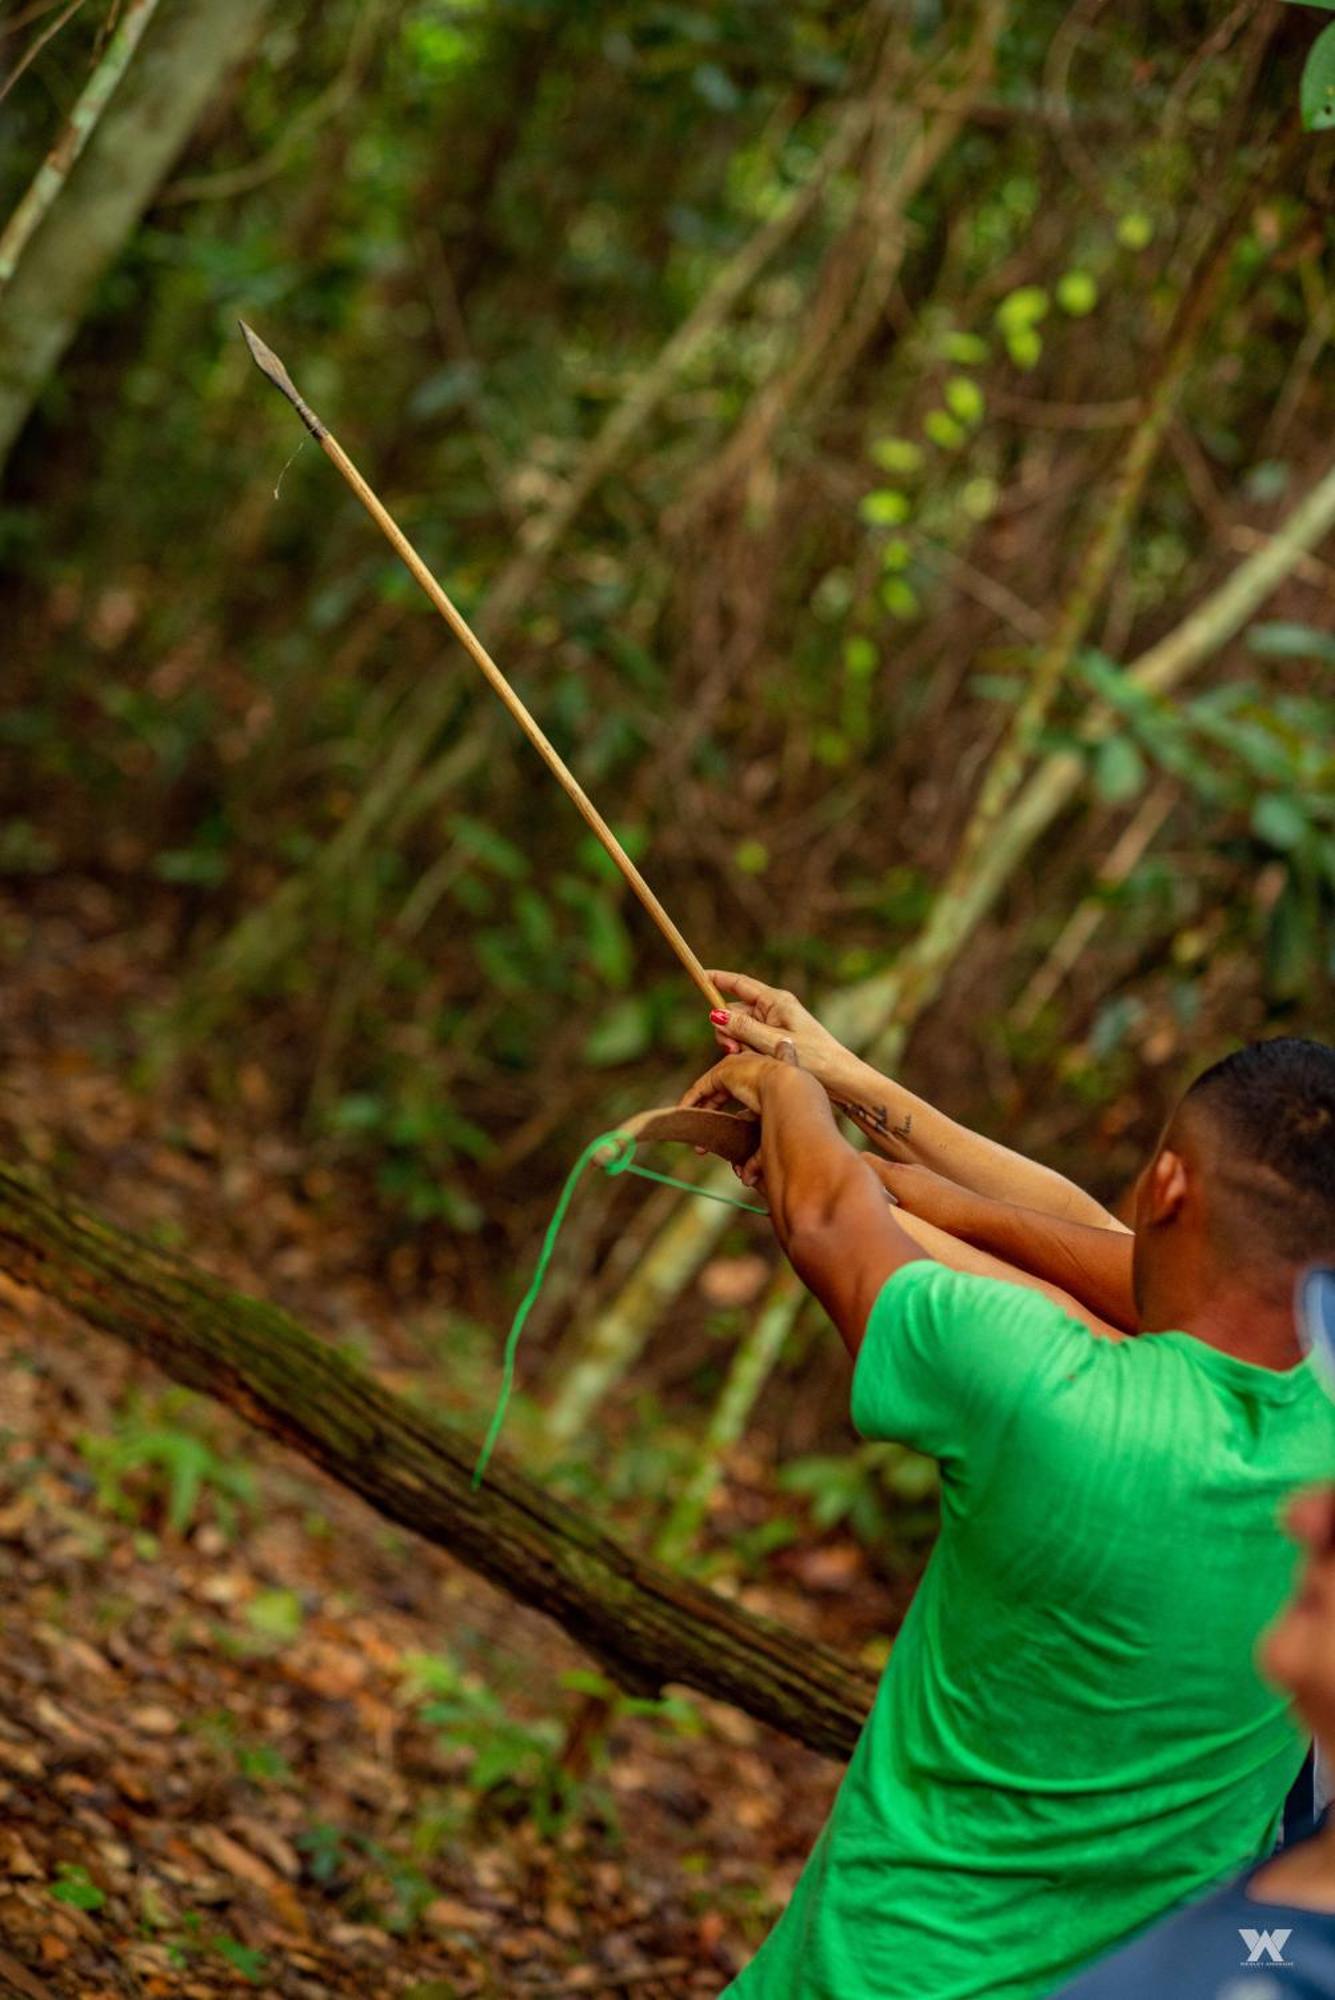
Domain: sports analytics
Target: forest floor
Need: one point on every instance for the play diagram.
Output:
(250, 1735)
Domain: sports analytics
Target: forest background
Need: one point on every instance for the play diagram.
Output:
(890, 447)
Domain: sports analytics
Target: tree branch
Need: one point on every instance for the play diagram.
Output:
(646, 1625)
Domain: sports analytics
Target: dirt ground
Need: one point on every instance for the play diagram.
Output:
(242, 1719)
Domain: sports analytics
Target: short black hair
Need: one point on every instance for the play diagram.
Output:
(1273, 1104)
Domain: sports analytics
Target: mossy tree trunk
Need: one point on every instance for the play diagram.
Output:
(645, 1625)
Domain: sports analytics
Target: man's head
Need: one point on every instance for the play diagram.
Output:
(1241, 1192)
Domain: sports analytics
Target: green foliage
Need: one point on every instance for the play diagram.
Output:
(878, 1491)
(1267, 763)
(770, 637)
(160, 1465)
(1317, 92)
(1135, 230)
(251, 1964)
(898, 455)
(1077, 293)
(514, 1768)
(275, 1618)
(259, 1763)
(965, 400)
(1019, 317)
(886, 508)
(943, 430)
(192, 1942)
(75, 1886)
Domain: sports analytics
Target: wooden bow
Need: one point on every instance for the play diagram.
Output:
(726, 1134)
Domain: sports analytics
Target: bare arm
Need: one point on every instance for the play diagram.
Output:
(902, 1126)
(1088, 1269)
(959, 1255)
(828, 1206)
(828, 1209)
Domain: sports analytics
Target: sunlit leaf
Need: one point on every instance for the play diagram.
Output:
(1025, 306)
(1287, 641)
(1024, 345)
(899, 598)
(885, 508)
(943, 430)
(964, 399)
(1280, 822)
(623, 1035)
(896, 454)
(1135, 230)
(1077, 293)
(1119, 770)
(966, 350)
(1316, 93)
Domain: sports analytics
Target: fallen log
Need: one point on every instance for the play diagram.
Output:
(646, 1625)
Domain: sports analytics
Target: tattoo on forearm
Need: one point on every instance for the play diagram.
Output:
(875, 1119)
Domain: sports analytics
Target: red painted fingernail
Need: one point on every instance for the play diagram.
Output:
(719, 1017)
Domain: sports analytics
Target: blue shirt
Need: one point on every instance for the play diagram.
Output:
(1229, 1947)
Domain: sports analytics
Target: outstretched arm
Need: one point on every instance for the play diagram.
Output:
(899, 1124)
(1088, 1269)
(827, 1206)
(957, 1254)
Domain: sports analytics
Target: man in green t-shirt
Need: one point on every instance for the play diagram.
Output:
(1070, 1737)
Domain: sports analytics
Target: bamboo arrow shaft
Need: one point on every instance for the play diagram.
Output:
(269, 364)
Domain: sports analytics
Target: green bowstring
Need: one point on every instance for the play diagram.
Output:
(620, 1150)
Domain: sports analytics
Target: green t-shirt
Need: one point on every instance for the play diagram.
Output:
(1071, 1736)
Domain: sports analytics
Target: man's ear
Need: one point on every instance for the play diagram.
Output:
(1165, 1190)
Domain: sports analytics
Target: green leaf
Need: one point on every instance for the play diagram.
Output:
(488, 846)
(610, 948)
(964, 399)
(1024, 346)
(978, 497)
(1119, 770)
(623, 1035)
(1316, 93)
(885, 508)
(275, 1615)
(187, 1465)
(860, 655)
(1077, 293)
(195, 867)
(249, 1963)
(447, 389)
(1025, 306)
(899, 598)
(75, 1886)
(1280, 822)
(967, 350)
(751, 856)
(943, 430)
(896, 454)
(583, 1680)
(1135, 230)
(1287, 641)
(896, 553)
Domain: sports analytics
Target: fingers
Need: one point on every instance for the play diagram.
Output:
(708, 1093)
(743, 987)
(735, 1031)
